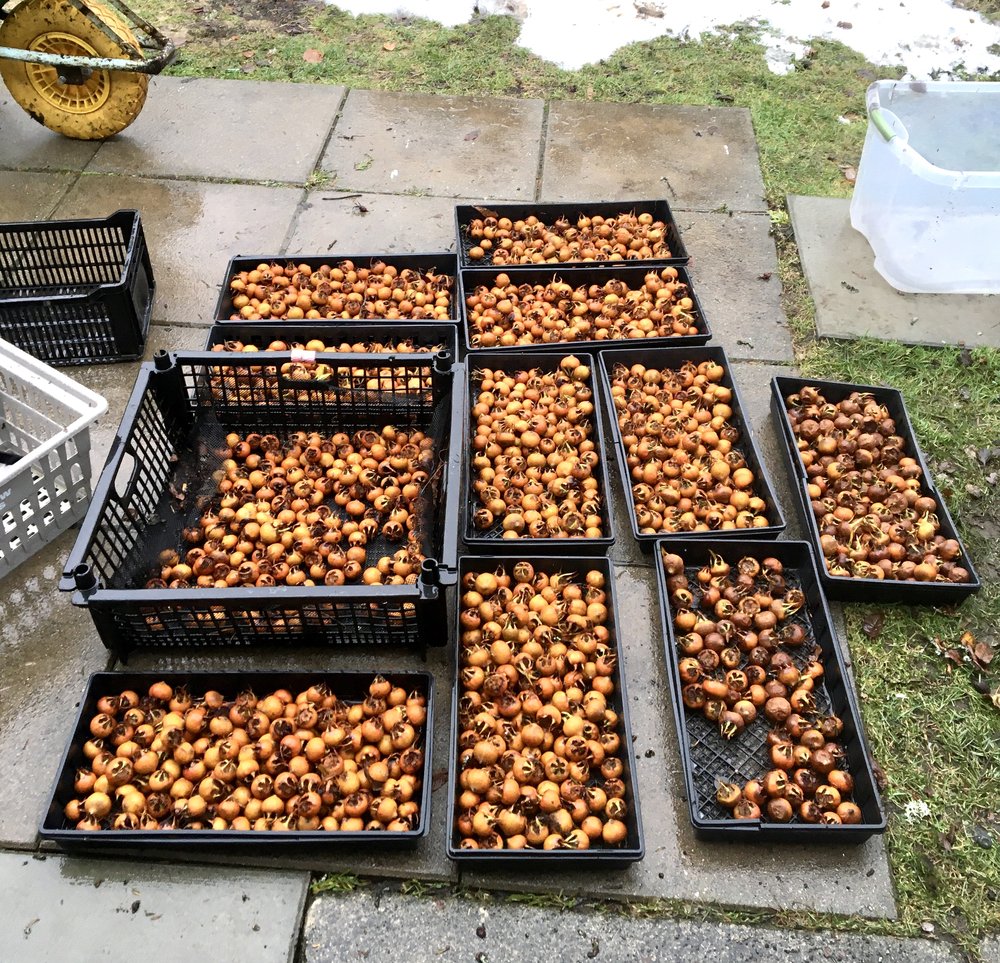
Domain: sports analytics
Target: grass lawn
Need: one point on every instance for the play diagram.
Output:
(933, 732)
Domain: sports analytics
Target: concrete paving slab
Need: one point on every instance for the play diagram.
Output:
(370, 923)
(734, 270)
(677, 865)
(449, 146)
(192, 230)
(853, 300)
(334, 222)
(427, 860)
(989, 949)
(246, 130)
(26, 143)
(754, 383)
(57, 908)
(31, 197)
(47, 649)
(698, 158)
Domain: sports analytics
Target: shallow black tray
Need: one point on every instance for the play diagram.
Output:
(347, 684)
(492, 541)
(605, 857)
(445, 262)
(674, 357)
(849, 588)
(466, 213)
(632, 272)
(705, 757)
(424, 334)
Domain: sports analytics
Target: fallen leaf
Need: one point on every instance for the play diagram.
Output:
(248, 68)
(872, 624)
(312, 56)
(766, 276)
(949, 655)
(484, 211)
(363, 165)
(849, 287)
(590, 92)
(471, 135)
(881, 779)
(844, 24)
(995, 698)
(850, 173)
(947, 840)
(247, 53)
(360, 208)
(825, 4)
(965, 358)
(928, 928)
(389, 45)
(724, 98)
(982, 654)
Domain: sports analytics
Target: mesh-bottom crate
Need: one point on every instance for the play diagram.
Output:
(45, 421)
(76, 292)
(164, 472)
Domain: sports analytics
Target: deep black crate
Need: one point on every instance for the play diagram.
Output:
(492, 540)
(853, 588)
(175, 422)
(631, 272)
(78, 291)
(707, 759)
(350, 686)
(548, 213)
(423, 335)
(674, 358)
(606, 857)
(445, 262)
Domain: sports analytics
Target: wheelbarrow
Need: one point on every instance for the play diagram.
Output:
(80, 68)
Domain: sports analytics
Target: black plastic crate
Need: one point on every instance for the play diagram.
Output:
(349, 685)
(673, 358)
(173, 426)
(445, 262)
(631, 272)
(492, 541)
(76, 292)
(606, 857)
(852, 588)
(706, 758)
(548, 213)
(425, 335)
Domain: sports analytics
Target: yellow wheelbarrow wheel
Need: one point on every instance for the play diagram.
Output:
(107, 101)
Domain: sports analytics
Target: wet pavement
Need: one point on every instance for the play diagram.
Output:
(381, 172)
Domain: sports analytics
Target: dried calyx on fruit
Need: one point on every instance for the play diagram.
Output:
(875, 517)
(534, 457)
(744, 664)
(687, 471)
(308, 762)
(529, 240)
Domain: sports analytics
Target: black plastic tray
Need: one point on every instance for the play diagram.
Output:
(849, 588)
(605, 857)
(76, 292)
(673, 358)
(466, 213)
(171, 423)
(705, 757)
(632, 272)
(347, 684)
(425, 335)
(492, 541)
(445, 262)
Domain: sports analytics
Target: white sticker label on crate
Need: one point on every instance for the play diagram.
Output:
(300, 354)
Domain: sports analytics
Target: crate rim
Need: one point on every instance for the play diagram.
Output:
(905, 589)
(445, 329)
(564, 858)
(761, 829)
(501, 546)
(76, 570)
(677, 353)
(236, 837)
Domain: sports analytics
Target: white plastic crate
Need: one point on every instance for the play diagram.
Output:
(45, 420)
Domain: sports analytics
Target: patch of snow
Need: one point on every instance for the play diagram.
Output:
(924, 36)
